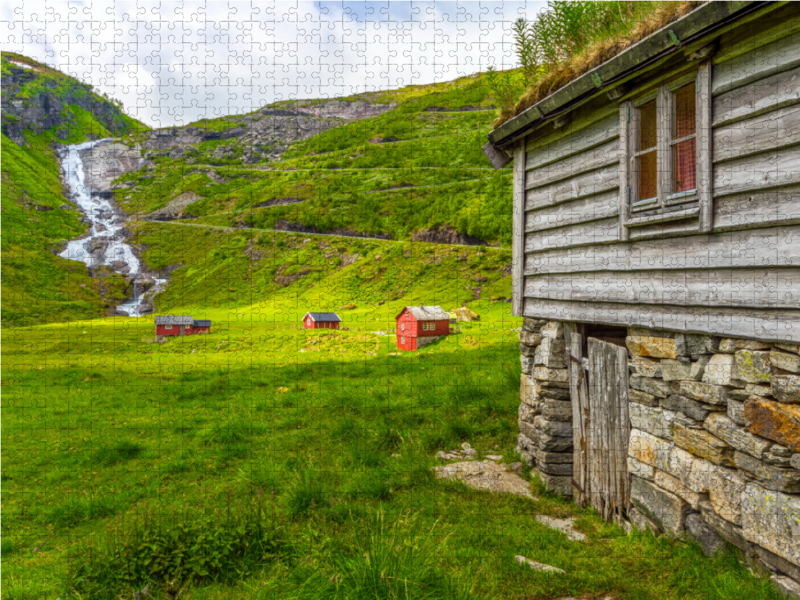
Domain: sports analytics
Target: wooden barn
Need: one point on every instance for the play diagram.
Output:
(656, 247)
(181, 325)
(321, 320)
(418, 326)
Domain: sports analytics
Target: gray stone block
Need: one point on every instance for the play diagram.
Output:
(786, 586)
(699, 531)
(554, 457)
(557, 484)
(646, 367)
(770, 519)
(656, 421)
(736, 411)
(550, 443)
(676, 370)
(654, 387)
(527, 363)
(690, 344)
(555, 410)
(729, 532)
(737, 437)
(554, 428)
(642, 398)
(769, 476)
(753, 366)
(666, 510)
(786, 388)
(777, 563)
(691, 408)
(562, 469)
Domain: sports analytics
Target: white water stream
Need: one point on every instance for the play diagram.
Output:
(106, 225)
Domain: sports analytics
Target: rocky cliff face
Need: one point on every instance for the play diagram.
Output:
(39, 99)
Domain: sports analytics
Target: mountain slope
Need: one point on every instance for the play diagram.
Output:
(403, 164)
(43, 108)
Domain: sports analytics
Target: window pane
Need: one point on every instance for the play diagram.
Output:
(647, 125)
(684, 123)
(648, 175)
(683, 159)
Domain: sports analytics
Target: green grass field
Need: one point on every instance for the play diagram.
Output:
(266, 461)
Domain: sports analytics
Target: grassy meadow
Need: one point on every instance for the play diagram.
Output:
(267, 461)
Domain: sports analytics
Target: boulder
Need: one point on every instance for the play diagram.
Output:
(699, 531)
(712, 394)
(691, 408)
(640, 522)
(655, 347)
(654, 387)
(666, 510)
(737, 437)
(676, 370)
(786, 388)
(642, 398)
(772, 520)
(769, 476)
(785, 361)
(774, 421)
(701, 443)
(753, 366)
(537, 566)
(644, 366)
(656, 421)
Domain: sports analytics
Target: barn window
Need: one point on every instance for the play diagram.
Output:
(665, 135)
(402, 340)
(402, 326)
(167, 326)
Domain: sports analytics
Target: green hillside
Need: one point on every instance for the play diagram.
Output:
(42, 108)
(416, 168)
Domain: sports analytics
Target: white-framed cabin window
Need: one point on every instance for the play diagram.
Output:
(667, 160)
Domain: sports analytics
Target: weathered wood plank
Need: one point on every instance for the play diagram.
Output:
(595, 232)
(757, 98)
(594, 158)
(591, 208)
(518, 239)
(704, 147)
(774, 168)
(758, 208)
(581, 425)
(765, 288)
(584, 184)
(764, 61)
(666, 229)
(624, 167)
(769, 247)
(608, 435)
(769, 131)
(578, 141)
(762, 324)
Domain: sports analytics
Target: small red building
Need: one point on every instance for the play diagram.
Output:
(418, 326)
(321, 321)
(181, 325)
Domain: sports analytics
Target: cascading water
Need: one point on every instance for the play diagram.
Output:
(102, 246)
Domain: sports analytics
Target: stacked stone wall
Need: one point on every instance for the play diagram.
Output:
(545, 411)
(714, 450)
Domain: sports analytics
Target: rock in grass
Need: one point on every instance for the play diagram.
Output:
(537, 566)
(565, 526)
(699, 531)
(486, 475)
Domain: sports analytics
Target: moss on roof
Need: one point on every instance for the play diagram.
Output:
(559, 75)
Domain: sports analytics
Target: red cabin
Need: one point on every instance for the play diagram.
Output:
(321, 321)
(181, 325)
(418, 326)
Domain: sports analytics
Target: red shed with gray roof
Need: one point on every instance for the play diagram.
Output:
(321, 320)
(416, 323)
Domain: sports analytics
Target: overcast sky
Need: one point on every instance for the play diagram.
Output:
(171, 63)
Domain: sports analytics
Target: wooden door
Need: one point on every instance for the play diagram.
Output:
(601, 427)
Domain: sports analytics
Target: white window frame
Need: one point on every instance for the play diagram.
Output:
(167, 326)
(694, 206)
(402, 326)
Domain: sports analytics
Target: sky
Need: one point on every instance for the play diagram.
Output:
(171, 63)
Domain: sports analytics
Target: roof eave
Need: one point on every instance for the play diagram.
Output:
(656, 46)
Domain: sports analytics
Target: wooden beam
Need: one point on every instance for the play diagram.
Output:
(518, 233)
(703, 147)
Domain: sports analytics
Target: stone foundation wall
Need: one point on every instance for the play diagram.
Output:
(714, 450)
(545, 411)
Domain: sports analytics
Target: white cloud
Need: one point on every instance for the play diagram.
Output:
(171, 63)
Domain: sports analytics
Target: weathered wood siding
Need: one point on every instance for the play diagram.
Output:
(741, 276)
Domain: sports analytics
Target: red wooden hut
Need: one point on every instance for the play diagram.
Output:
(315, 320)
(181, 325)
(418, 326)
